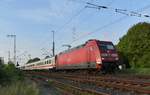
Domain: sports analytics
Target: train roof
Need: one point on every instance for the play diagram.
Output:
(82, 45)
(40, 61)
(74, 48)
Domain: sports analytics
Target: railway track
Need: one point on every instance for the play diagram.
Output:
(137, 86)
(68, 89)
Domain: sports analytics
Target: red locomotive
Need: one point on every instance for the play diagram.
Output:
(94, 54)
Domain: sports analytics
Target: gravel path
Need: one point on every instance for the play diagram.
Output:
(46, 89)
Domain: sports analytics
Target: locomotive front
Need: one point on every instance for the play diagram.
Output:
(109, 56)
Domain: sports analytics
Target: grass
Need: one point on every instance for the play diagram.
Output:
(19, 88)
(136, 71)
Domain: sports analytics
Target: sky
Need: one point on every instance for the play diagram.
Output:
(32, 21)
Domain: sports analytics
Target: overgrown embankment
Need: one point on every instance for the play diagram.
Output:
(12, 82)
(19, 88)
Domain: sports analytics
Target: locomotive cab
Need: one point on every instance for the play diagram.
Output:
(109, 56)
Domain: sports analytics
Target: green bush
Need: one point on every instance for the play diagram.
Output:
(144, 61)
(9, 85)
(8, 74)
(135, 45)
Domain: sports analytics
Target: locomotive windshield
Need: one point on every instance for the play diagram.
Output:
(106, 46)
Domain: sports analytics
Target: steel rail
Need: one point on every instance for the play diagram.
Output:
(110, 82)
(73, 90)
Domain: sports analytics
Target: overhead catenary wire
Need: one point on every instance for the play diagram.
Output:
(100, 28)
(75, 15)
(104, 26)
(109, 24)
(69, 20)
(117, 10)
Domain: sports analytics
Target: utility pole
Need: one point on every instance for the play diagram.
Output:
(14, 36)
(53, 43)
(8, 56)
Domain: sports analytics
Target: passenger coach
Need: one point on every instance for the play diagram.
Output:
(48, 63)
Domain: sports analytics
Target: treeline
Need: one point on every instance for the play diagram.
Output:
(33, 60)
(134, 47)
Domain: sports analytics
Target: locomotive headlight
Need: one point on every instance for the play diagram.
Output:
(98, 61)
(103, 58)
(120, 67)
(116, 58)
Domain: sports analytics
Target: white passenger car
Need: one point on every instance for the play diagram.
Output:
(48, 63)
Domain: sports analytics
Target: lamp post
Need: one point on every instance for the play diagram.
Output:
(14, 36)
(53, 43)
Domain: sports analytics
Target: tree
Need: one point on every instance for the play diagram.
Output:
(10, 62)
(135, 45)
(1, 60)
(33, 60)
(47, 57)
(9, 73)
